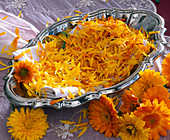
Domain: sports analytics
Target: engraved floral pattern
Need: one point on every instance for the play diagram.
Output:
(40, 12)
(19, 4)
(2, 92)
(136, 4)
(85, 3)
(63, 131)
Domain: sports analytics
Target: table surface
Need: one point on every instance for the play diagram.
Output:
(37, 13)
(164, 10)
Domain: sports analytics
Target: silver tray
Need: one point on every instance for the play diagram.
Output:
(150, 21)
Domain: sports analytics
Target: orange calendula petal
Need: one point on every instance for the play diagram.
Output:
(73, 130)
(67, 16)
(15, 42)
(84, 113)
(77, 11)
(81, 124)
(85, 16)
(1, 69)
(17, 31)
(4, 17)
(80, 119)
(22, 54)
(19, 14)
(1, 63)
(47, 24)
(2, 33)
(67, 122)
(82, 132)
(56, 101)
(3, 49)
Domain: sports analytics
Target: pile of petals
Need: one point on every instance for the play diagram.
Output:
(144, 113)
(95, 54)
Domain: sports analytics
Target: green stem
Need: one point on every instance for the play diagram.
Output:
(13, 107)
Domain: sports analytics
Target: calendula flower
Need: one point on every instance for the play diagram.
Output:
(130, 102)
(160, 93)
(165, 68)
(103, 116)
(29, 125)
(156, 116)
(149, 78)
(25, 71)
(132, 128)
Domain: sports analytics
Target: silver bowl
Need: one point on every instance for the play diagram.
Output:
(150, 21)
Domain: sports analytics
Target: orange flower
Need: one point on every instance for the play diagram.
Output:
(149, 78)
(159, 93)
(130, 102)
(165, 68)
(25, 71)
(156, 116)
(103, 116)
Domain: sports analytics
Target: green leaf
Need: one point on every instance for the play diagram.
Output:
(157, 1)
(64, 43)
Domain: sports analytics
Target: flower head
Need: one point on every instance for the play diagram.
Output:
(103, 116)
(132, 128)
(149, 78)
(29, 125)
(160, 93)
(25, 71)
(156, 116)
(130, 102)
(165, 68)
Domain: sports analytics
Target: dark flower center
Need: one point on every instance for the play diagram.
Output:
(134, 106)
(131, 129)
(23, 72)
(106, 117)
(152, 120)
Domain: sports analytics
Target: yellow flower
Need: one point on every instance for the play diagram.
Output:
(132, 128)
(156, 116)
(103, 116)
(159, 92)
(130, 102)
(25, 71)
(149, 78)
(165, 68)
(29, 125)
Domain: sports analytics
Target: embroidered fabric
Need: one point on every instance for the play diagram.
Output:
(40, 12)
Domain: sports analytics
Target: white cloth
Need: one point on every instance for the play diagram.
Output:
(26, 30)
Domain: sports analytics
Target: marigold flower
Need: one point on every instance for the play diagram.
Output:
(149, 78)
(103, 116)
(165, 68)
(160, 93)
(130, 102)
(132, 128)
(25, 71)
(27, 125)
(156, 116)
